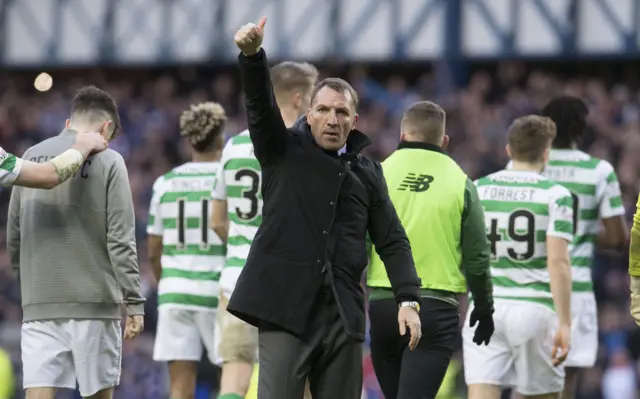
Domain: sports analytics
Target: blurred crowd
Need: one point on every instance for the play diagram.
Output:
(477, 118)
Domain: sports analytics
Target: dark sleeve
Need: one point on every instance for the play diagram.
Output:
(475, 250)
(267, 129)
(121, 237)
(13, 231)
(391, 242)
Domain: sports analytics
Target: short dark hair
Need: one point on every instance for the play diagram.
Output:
(203, 125)
(289, 76)
(529, 137)
(570, 116)
(95, 103)
(339, 85)
(426, 120)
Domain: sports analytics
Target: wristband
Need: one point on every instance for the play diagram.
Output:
(67, 163)
(411, 304)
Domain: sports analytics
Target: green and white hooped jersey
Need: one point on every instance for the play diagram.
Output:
(596, 194)
(239, 183)
(10, 166)
(521, 209)
(192, 253)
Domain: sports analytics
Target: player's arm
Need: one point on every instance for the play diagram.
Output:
(559, 235)
(475, 251)
(267, 129)
(390, 241)
(155, 230)
(121, 238)
(616, 233)
(219, 210)
(50, 174)
(13, 231)
(220, 219)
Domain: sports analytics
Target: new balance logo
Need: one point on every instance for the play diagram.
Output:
(416, 183)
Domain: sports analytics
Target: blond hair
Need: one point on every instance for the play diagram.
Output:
(202, 124)
(289, 77)
(424, 120)
(529, 137)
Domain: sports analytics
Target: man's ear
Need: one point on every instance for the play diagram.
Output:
(445, 142)
(67, 123)
(309, 115)
(106, 130)
(296, 100)
(355, 120)
(508, 150)
(545, 155)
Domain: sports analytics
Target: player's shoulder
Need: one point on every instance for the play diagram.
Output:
(605, 171)
(572, 158)
(110, 155)
(240, 140)
(491, 178)
(557, 190)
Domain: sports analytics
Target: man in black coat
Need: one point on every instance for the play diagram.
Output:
(301, 283)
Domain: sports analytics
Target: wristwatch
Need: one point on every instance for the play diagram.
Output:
(411, 304)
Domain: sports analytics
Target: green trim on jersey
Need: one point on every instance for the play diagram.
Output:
(596, 193)
(521, 210)
(192, 254)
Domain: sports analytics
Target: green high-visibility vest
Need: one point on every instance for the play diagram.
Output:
(427, 188)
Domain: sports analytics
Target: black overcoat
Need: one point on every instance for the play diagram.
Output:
(318, 208)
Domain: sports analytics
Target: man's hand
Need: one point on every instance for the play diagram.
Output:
(561, 344)
(88, 142)
(485, 328)
(133, 326)
(249, 37)
(635, 299)
(408, 317)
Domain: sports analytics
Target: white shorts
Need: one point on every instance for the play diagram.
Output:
(56, 353)
(182, 333)
(584, 331)
(519, 353)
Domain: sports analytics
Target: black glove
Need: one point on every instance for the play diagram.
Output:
(485, 328)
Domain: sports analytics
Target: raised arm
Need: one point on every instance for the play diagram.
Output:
(121, 238)
(475, 251)
(391, 243)
(13, 231)
(266, 127)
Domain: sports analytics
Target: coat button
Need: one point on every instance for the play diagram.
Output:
(332, 203)
(324, 232)
(340, 174)
(348, 162)
(317, 260)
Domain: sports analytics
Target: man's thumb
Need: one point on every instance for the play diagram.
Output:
(262, 23)
(403, 327)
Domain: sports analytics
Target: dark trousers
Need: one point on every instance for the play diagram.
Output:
(417, 374)
(326, 355)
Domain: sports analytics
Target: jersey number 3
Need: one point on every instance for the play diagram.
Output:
(522, 235)
(252, 193)
(184, 223)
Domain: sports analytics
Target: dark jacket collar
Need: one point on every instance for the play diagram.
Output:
(420, 145)
(356, 142)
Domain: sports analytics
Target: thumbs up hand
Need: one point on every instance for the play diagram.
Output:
(249, 37)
